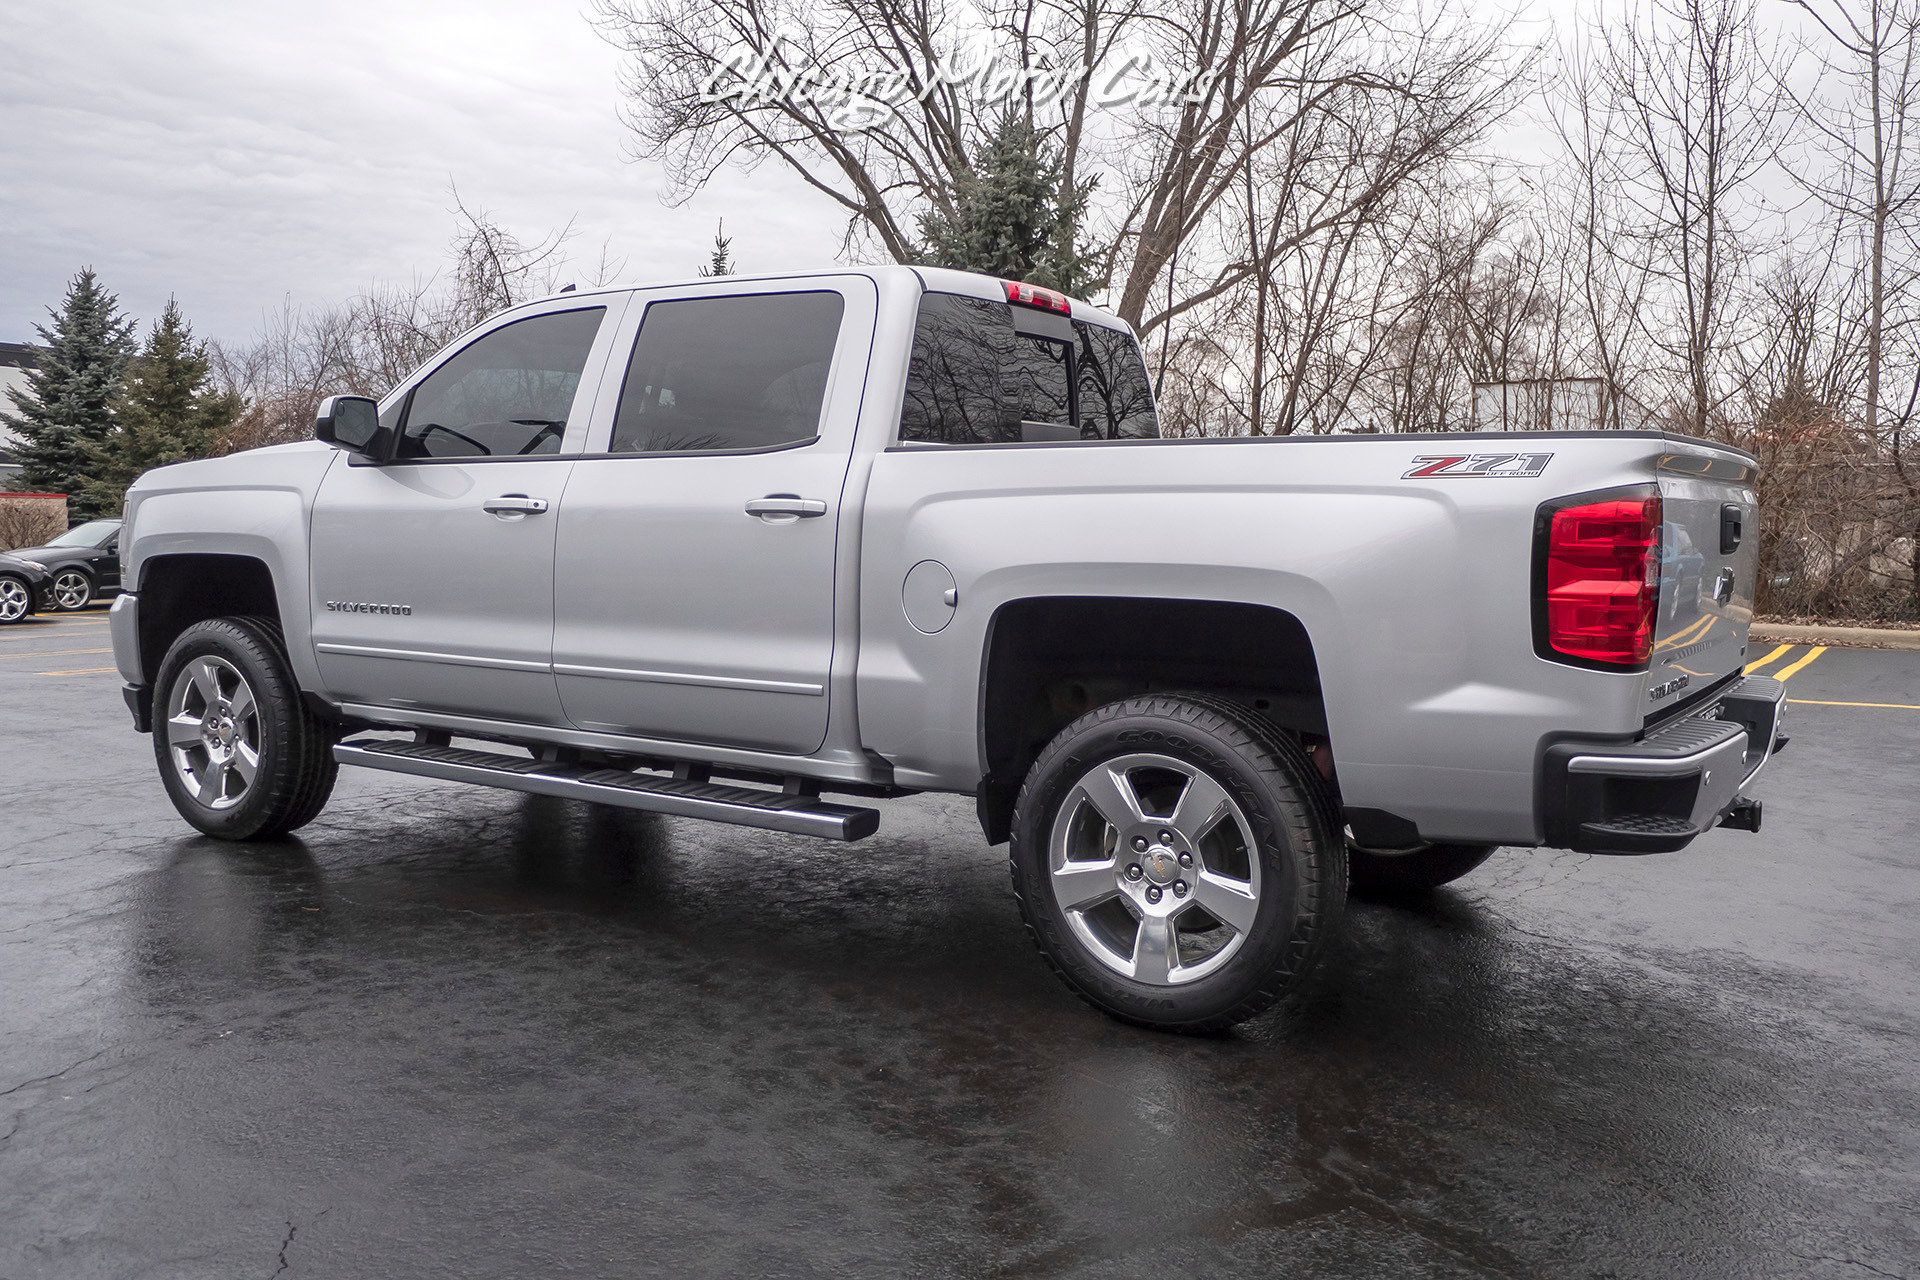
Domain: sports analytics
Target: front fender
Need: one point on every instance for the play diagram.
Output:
(256, 504)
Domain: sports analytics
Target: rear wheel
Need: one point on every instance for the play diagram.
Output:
(1174, 862)
(239, 752)
(72, 589)
(1402, 873)
(16, 597)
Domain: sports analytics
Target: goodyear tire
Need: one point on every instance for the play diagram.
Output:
(240, 754)
(1175, 861)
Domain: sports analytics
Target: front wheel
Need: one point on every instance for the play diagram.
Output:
(1175, 861)
(16, 598)
(240, 754)
(1404, 873)
(72, 589)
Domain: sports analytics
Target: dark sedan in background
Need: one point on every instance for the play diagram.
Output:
(83, 563)
(24, 587)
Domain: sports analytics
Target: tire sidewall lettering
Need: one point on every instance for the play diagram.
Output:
(1285, 917)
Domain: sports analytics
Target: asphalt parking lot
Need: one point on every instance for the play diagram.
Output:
(451, 1032)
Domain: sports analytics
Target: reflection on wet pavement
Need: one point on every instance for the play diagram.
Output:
(451, 1032)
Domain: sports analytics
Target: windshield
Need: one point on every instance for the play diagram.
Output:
(90, 534)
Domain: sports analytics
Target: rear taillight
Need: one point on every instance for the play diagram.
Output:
(1601, 580)
(1026, 295)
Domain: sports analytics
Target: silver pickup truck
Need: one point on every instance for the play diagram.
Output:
(723, 549)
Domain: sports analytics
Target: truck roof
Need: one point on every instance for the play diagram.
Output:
(970, 284)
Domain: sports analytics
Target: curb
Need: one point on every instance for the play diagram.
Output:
(1861, 637)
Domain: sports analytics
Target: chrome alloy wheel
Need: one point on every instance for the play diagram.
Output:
(213, 732)
(15, 598)
(72, 589)
(1156, 869)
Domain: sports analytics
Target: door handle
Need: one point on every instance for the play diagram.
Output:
(514, 506)
(785, 504)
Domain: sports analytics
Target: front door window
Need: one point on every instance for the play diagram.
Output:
(506, 395)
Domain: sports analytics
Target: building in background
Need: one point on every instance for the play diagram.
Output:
(15, 359)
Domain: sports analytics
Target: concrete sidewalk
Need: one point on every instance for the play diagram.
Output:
(1859, 637)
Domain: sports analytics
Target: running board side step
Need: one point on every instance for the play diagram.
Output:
(744, 806)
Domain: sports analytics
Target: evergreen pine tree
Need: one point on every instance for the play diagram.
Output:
(67, 403)
(1014, 215)
(721, 263)
(165, 414)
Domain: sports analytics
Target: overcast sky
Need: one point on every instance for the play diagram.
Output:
(235, 154)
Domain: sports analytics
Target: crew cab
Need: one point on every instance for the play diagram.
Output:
(774, 550)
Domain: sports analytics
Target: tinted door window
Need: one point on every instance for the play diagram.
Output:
(506, 395)
(740, 372)
(975, 380)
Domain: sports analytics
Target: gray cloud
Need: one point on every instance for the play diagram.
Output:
(234, 154)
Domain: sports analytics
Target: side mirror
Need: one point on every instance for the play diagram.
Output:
(352, 422)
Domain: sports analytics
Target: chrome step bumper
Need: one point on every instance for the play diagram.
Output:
(1654, 795)
(743, 806)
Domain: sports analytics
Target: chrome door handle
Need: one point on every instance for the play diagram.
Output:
(785, 504)
(514, 505)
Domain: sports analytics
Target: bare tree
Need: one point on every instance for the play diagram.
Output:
(1332, 108)
(1604, 268)
(1862, 116)
(1870, 183)
(369, 344)
(1693, 105)
(1256, 76)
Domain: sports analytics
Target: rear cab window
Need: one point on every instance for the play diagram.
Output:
(986, 372)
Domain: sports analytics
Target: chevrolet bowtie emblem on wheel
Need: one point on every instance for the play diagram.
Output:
(1471, 466)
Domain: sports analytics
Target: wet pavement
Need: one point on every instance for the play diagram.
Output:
(451, 1032)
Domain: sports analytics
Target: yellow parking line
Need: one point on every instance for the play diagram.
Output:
(1891, 706)
(1755, 666)
(52, 653)
(1687, 635)
(1787, 673)
(84, 671)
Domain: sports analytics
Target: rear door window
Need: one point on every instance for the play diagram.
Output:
(745, 371)
(975, 379)
(505, 395)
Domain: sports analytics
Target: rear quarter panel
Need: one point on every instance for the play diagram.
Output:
(1415, 593)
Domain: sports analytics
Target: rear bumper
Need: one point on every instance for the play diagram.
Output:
(1656, 794)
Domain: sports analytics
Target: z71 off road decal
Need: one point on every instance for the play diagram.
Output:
(1464, 466)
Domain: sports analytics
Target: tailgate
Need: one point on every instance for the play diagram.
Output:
(1709, 553)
